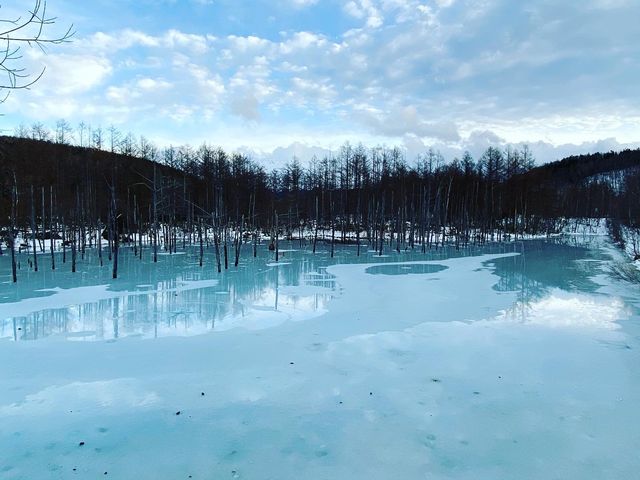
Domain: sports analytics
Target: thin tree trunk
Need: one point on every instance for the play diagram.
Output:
(315, 235)
(33, 232)
(276, 236)
(44, 223)
(115, 233)
(64, 240)
(155, 215)
(12, 227)
(51, 231)
(357, 226)
(201, 242)
(333, 226)
(225, 250)
(216, 242)
(381, 227)
(239, 242)
(99, 243)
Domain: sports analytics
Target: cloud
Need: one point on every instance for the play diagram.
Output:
(246, 106)
(365, 10)
(406, 121)
(71, 74)
(452, 73)
(151, 84)
(280, 156)
(414, 147)
(302, 41)
(478, 141)
(303, 3)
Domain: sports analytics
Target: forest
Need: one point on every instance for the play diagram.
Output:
(130, 192)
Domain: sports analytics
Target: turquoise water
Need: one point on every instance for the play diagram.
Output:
(151, 300)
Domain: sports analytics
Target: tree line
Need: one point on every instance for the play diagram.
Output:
(128, 191)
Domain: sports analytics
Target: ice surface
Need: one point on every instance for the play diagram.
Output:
(517, 361)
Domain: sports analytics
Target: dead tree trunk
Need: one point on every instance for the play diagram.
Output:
(256, 230)
(357, 226)
(380, 250)
(201, 242)
(225, 249)
(44, 223)
(333, 226)
(239, 242)
(216, 242)
(64, 240)
(33, 232)
(74, 248)
(315, 235)
(115, 233)
(12, 229)
(155, 215)
(52, 241)
(99, 243)
(276, 236)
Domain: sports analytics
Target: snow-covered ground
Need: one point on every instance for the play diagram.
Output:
(517, 361)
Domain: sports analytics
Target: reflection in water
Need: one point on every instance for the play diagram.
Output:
(174, 297)
(547, 264)
(177, 297)
(561, 309)
(550, 278)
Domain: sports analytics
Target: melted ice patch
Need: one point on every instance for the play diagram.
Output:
(408, 269)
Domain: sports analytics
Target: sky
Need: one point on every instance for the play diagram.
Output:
(278, 78)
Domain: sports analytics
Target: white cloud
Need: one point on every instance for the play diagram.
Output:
(439, 72)
(406, 121)
(301, 41)
(365, 10)
(71, 74)
(153, 84)
(303, 3)
(197, 44)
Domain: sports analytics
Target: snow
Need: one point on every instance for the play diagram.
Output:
(585, 226)
(480, 367)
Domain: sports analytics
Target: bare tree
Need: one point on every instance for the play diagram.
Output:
(64, 132)
(22, 131)
(29, 30)
(98, 138)
(40, 132)
(82, 127)
(114, 136)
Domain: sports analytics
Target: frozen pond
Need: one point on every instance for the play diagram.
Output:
(508, 361)
(174, 297)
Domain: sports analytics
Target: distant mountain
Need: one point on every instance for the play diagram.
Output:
(578, 168)
(37, 162)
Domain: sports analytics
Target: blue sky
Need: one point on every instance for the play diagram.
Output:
(282, 77)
